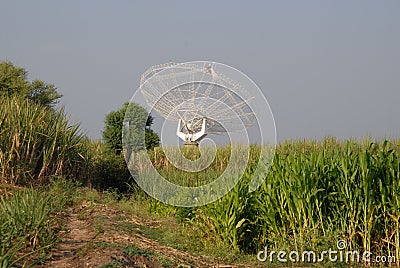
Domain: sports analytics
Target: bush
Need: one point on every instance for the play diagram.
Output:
(111, 173)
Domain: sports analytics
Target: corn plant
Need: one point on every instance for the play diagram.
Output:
(315, 193)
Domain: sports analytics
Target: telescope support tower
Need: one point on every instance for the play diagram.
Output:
(185, 133)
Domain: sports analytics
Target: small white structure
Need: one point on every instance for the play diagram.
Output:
(186, 132)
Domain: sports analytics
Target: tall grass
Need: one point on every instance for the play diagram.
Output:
(315, 194)
(28, 225)
(176, 172)
(37, 143)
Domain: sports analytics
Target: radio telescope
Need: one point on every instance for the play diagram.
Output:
(199, 98)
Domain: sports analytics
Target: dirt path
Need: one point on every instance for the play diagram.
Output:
(78, 235)
(100, 236)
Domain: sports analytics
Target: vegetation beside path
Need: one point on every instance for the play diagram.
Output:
(68, 201)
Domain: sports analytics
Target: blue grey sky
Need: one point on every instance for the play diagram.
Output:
(326, 67)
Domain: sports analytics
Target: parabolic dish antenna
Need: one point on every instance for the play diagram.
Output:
(199, 97)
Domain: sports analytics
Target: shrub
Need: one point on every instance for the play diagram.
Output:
(111, 173)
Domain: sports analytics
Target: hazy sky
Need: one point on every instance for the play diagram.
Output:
(326, 67)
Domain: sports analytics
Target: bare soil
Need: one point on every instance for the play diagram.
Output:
(97, 235)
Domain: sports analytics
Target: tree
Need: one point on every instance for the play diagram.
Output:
(151, 138)
(43, 93)
(139, 123)
(14, 81)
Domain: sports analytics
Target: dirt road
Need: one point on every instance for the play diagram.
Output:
(99, 236)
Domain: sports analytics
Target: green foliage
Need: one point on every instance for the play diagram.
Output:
(136, 251)
(43, 94)
(13, 81)
(112, 134)
(315, 194)
(27, 222)
(185, 178)
(230, 217)
(151, 138)
(139, 123)
(37, 143)
(110, 173)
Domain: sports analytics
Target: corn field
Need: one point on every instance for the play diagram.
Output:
(315, 194)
